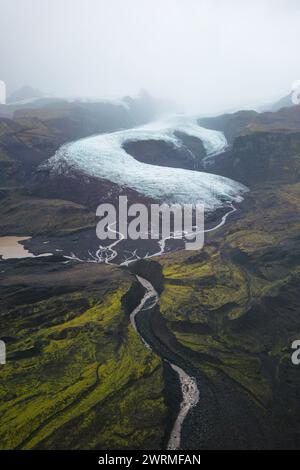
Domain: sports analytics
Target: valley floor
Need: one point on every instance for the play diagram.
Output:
(228, 314)
(78, 376)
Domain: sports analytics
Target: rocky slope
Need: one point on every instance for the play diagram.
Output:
(262, 156)
(241, 122)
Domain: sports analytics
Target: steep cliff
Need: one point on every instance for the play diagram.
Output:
(261, 156)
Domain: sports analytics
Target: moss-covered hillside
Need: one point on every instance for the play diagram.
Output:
(77, 375)
(234, 311)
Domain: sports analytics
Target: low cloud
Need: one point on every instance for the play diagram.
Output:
(207, 55)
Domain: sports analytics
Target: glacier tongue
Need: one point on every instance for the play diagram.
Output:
(103, 156)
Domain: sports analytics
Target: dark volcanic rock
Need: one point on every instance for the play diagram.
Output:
(78, 187)
(261, 156)
(157, 152)
(150, 270)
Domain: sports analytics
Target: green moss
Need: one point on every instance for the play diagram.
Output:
(84, 361)
(239, 292)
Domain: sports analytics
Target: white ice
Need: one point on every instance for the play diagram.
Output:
(103, 156)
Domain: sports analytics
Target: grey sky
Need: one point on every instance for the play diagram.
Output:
(209, 55)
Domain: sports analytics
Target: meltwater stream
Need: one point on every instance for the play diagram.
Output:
(190, 392)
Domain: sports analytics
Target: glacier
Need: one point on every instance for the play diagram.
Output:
(103, 156)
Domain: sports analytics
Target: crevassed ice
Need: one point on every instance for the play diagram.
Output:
(103, 156)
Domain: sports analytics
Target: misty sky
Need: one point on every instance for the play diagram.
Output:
(209, 55)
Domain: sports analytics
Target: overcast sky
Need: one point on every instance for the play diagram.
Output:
(209, 55)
